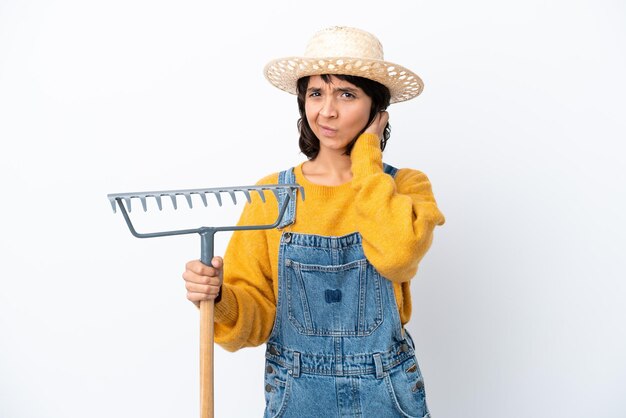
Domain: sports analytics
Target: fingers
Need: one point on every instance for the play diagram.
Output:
(199, 268)
(378, 124)
(203, 294)
(207, 289)
(198, 292)
(191, 277)
(201, 281)
(217, 262)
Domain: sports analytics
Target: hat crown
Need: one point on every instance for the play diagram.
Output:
(341, 41)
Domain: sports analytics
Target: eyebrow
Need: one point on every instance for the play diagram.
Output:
(336, 89)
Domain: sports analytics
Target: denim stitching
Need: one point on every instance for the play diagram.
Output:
(308, 327)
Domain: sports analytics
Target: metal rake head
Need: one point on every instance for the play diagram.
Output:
(118, 198)
(123, 200)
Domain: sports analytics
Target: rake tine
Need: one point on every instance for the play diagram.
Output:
(188, 197)
(173, 197)
(203, 197)
(144, 203)
(218, 196)
(232, 196)
(159, 202)
(276, 193)
(113, 205)
(247, 193)
(261, 194)
(127, 200)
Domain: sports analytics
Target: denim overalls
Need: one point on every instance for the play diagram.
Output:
(337, 348)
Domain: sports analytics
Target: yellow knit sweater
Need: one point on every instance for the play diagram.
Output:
(395, 218)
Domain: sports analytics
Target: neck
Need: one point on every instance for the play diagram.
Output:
(328, 169)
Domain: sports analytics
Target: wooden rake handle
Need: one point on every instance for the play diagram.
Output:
(207, 328)
(206, 358)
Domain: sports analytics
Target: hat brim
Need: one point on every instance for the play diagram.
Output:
(401, 82)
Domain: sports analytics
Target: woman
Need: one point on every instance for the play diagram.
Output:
(329, 291)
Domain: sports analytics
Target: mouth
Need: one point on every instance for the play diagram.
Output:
(327, 131)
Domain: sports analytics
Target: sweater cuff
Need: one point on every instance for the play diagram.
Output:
(367, 158)
(226, 308)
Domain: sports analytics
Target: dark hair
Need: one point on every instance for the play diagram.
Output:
(380, 95)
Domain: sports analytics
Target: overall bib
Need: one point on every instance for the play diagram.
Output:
(337, 348)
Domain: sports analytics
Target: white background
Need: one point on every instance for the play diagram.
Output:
(519, 306)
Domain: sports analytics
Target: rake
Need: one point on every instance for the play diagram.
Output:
(207, 239)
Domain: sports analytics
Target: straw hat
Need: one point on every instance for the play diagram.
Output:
(348, 51)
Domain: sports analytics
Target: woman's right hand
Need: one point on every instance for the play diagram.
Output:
(203, 282)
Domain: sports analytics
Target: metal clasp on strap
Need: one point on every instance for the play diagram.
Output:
(379, 366)
(296, 364)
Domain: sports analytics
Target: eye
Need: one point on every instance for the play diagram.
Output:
(347, 95)
(314, 93)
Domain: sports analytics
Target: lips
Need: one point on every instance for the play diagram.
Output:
(327, 131)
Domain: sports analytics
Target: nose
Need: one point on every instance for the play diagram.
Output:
(328, 109)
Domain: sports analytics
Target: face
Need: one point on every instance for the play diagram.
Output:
(336, 112)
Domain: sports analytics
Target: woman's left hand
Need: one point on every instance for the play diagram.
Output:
(377, 126)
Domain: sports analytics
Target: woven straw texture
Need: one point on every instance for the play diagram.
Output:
(348, 51)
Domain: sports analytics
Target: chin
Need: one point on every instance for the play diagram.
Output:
(334, 144)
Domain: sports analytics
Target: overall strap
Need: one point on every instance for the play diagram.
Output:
(287, 177)
(391, 170)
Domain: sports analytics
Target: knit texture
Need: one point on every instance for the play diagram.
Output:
(395, 218)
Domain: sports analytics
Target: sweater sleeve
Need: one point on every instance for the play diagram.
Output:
(245, 314)
(396, 219)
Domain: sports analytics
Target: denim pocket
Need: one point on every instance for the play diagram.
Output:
(342, 300)
(405, 385)
(277, 389)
